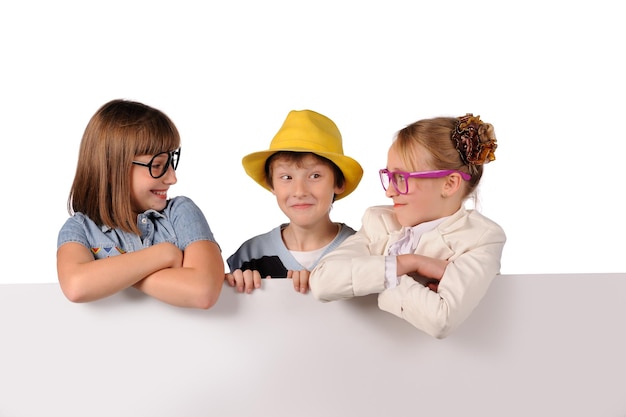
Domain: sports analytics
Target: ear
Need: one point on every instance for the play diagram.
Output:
(270, 186)
(339, 190)
(451, 185)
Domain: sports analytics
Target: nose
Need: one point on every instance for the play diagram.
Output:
(299, 187)
(170, 176)
(391, 191)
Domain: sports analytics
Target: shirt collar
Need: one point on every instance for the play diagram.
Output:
(148, 213)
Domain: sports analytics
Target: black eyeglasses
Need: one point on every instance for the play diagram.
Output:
(160, 163)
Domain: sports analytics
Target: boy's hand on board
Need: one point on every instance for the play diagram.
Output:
(244, 281)
(300, 280)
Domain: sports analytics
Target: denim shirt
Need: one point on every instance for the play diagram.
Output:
(180, 223)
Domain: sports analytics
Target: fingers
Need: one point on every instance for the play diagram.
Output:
(300, 280)
(256, 279)
(244, 281)
(230, 279)
(249, 280)
(430, 283)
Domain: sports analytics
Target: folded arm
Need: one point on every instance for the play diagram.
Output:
(83, 278)
(196, 283)
(464, 283)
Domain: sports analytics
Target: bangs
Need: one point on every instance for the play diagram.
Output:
(298, 158)
(156, 134)
(405, 146)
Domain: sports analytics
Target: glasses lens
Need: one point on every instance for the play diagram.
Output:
(175, 158)
(159, 164)
(384, 178)
(400, 183)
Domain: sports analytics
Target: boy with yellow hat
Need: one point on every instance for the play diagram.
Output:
(306, 170)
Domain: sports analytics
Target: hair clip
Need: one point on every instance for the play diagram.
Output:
(471, 142)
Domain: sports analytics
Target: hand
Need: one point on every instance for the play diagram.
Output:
(432, 268)
(427, 271)
(433, 285)
(247, 280)
(170, 252)
(300, 280)
(165, 252)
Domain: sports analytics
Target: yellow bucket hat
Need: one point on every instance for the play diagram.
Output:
(307, 131)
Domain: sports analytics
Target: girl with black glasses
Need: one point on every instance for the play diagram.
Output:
(123, 231)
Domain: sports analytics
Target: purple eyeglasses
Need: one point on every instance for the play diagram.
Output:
(400, 179)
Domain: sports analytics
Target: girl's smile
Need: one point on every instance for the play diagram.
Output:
(147, 192)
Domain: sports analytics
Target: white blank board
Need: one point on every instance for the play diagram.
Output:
(538, 345)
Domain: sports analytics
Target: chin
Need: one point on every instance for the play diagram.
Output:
(406, 222)
(158, 207)
(410, 221)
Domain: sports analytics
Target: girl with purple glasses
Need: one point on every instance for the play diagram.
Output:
(430, 259)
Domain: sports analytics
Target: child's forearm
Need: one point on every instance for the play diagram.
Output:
(84, 279)
(421, 265)
(196, 284)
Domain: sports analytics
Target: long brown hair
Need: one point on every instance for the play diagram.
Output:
(116, 133)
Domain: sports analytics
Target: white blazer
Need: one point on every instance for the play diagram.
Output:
(470, 241)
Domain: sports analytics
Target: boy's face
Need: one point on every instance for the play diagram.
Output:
(304, 189)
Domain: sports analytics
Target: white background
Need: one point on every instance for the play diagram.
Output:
(548, 75)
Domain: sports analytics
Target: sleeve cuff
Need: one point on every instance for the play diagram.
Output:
(391, 275)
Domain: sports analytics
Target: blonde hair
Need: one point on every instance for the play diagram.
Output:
(435, 136)
(116, 133)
